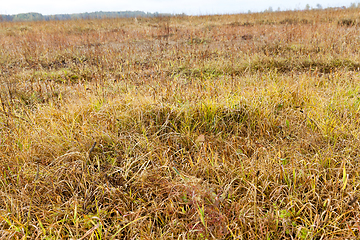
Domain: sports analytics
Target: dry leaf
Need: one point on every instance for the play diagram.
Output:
(200, 138)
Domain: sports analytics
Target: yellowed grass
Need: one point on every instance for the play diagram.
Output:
(213, 127)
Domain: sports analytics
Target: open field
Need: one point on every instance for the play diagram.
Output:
(213, 127)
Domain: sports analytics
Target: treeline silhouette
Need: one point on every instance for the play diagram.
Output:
(32, 16)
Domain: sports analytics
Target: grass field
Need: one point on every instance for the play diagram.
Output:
(210, 127)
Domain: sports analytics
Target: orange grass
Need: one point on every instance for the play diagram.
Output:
(212, 127)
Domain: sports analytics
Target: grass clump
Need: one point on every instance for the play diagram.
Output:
(149, 130)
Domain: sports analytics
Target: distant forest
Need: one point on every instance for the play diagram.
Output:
(39, 17)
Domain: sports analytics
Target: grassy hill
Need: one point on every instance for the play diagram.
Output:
(211, 127)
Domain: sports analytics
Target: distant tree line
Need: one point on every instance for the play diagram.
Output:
(32, 16)
(318, 7)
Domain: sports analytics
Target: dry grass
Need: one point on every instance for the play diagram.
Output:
(212, 127)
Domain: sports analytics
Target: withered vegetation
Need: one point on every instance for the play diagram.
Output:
(210, 127)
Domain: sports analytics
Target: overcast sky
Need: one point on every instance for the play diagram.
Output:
(163, 6)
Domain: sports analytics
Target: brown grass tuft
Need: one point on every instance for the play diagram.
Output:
(212, 127)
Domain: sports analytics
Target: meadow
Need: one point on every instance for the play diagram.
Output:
(187, 127)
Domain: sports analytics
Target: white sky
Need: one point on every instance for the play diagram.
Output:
(162, 6)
